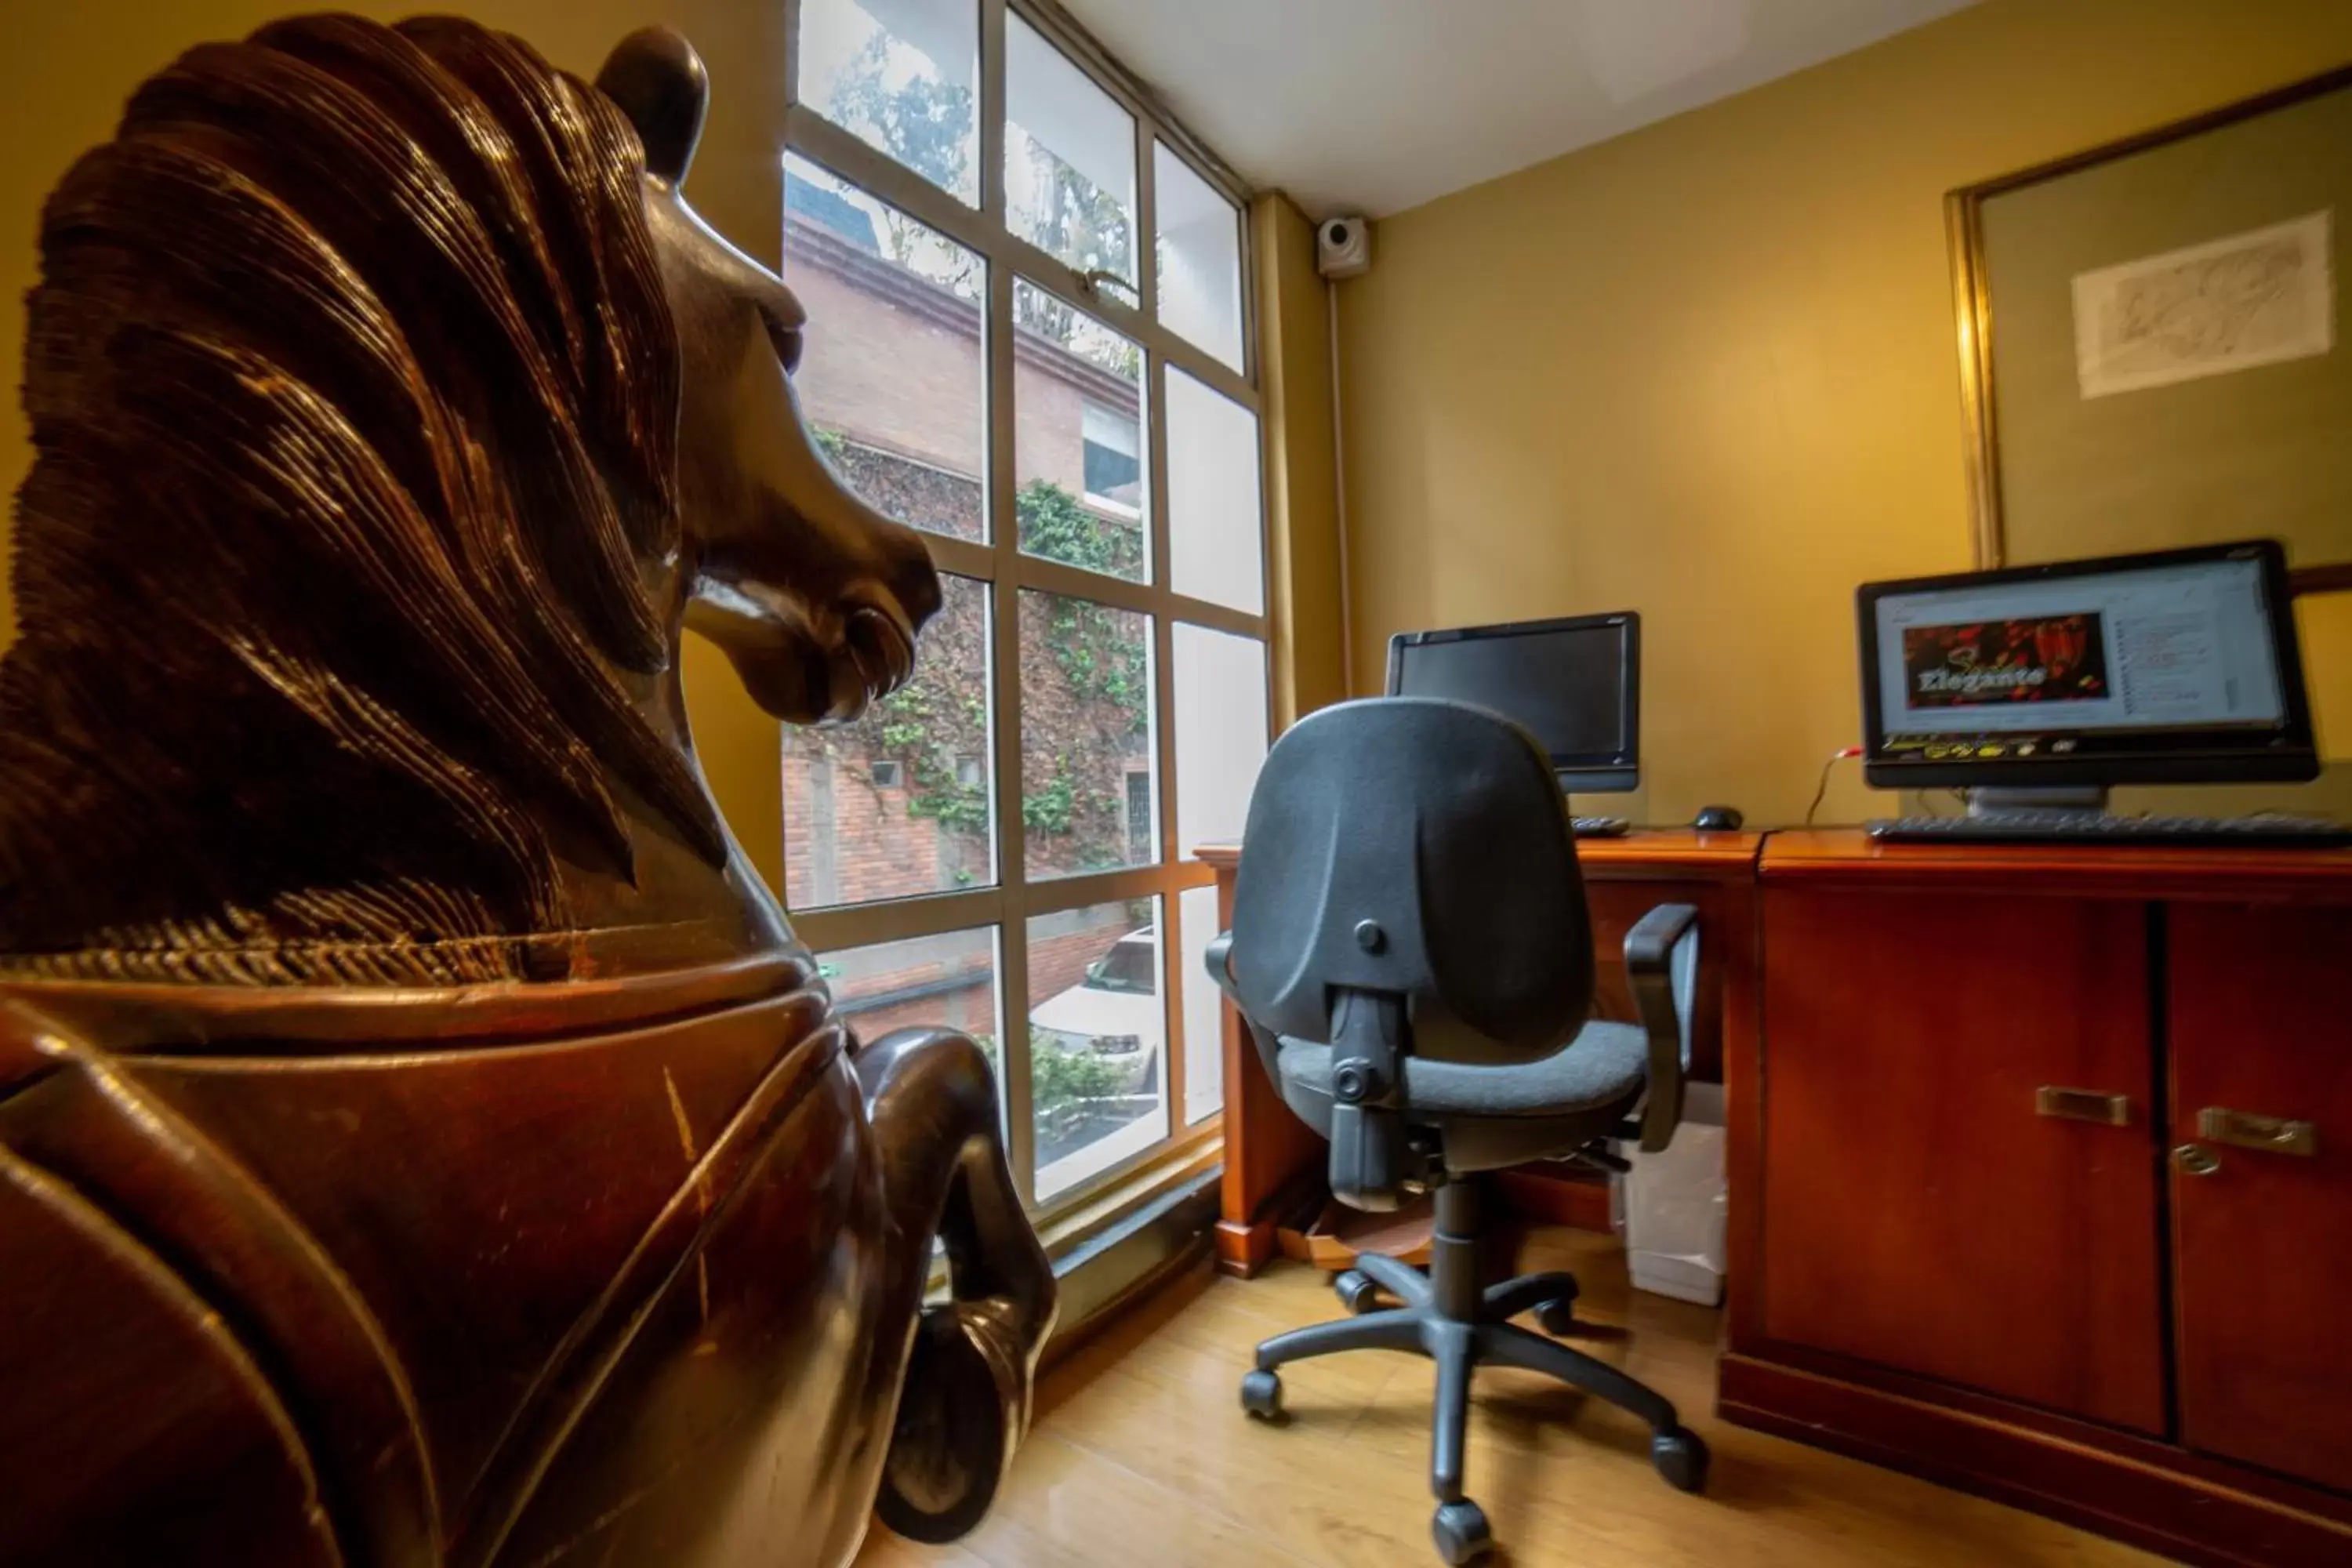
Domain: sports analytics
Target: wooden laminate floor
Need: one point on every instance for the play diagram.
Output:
(1141, 1457)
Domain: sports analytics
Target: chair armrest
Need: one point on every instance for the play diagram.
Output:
(1218, 961)
(1662, 970)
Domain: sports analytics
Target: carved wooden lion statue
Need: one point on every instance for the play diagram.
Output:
(421, 1141)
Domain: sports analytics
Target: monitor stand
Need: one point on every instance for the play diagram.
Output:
(2062, 804)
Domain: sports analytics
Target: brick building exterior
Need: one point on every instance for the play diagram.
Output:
(947, 981)
(892, 377)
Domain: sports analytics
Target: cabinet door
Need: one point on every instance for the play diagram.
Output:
(2262, 1023)
(1919, 1210)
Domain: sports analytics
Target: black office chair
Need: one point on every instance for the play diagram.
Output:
(1411, 953)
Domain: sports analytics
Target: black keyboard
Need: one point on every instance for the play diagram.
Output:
(2097, 828)
(1600, 826)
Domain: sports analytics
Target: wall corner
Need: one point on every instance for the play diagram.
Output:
(1302, 478)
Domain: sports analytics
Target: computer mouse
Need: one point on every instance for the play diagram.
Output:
(1718, 819)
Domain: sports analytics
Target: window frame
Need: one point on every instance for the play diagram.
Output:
(1015, 899)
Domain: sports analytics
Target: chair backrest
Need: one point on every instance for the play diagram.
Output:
(1440, 827)
(1406, 860)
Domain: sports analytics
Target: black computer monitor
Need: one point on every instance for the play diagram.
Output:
(2178, 667)
(1574, 684)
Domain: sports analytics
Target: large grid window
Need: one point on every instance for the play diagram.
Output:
(996, 356)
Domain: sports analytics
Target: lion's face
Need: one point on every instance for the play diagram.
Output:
(816, 597)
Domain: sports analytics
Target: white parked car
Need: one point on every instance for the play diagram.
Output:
(1115, 1014)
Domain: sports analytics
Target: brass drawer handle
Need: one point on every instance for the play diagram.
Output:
(2196, 1160)
(2246, 1130)
(2083, 1105)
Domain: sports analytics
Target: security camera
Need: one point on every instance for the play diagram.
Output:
(1343, 247)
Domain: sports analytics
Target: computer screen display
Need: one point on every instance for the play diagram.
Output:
(2181, 666)
(1574, 684)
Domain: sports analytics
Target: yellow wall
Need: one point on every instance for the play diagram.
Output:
(68, 68)
(1302, 475)
(1706, 371)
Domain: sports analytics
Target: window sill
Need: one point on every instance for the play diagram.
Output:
(1114, 1150)
(1134, 1222)
(1101, 1202)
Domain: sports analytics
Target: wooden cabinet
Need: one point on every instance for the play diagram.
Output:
(1920, 1212)
(2261, 1015)
(1931, 1270)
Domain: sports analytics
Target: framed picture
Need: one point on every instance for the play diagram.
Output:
(2152, 340)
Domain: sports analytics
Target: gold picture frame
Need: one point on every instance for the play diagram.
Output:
(2148, 193)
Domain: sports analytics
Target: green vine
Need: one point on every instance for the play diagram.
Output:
(908, 723)
(935, 729)
(1053, 525)
(1048, 810)
(1099, 657)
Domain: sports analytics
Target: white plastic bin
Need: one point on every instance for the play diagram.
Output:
(1672, 1208)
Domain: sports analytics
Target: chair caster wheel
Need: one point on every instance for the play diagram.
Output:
(1558, 1318)
(1681, 1458)
(1262, 1394)
(1356, 1292)
(1461, 1533)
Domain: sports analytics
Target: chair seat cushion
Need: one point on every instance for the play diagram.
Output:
(1605, 1065)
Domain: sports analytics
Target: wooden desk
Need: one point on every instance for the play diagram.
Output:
(1928, 1272)
(1275, 1164)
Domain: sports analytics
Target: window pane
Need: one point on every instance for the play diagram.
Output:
(1200, 256)
(900, 802)
(891, 375)
(1219, 683)
(1215, 546)
(1070, 158)
(944, 982)
(1204, 1017)
(1088, 794)
(1078, 447)
(902, 75)
(1097, 1027)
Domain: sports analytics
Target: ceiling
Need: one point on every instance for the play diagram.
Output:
(1374, 106)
